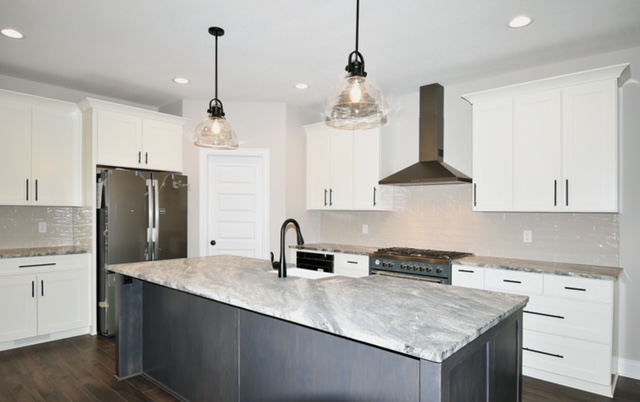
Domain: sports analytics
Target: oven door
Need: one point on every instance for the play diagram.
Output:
(426, 278)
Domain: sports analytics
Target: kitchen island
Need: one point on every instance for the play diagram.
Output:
(227, 328)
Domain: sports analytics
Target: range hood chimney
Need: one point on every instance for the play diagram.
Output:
(430, 168)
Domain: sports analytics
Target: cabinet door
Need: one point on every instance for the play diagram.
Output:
(318, 169)
(492, 155)
(590, 147)
(119, 139)
(15, 152)
(18, 307)
(56, 156)
(537, 147)
(367, 193)
(63, 301)
(341, 192)
(162, 145)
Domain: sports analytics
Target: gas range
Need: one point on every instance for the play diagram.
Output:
(412, 263)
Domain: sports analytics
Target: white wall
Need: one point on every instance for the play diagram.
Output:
(441, 217)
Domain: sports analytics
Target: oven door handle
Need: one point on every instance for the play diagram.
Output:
(405, 276)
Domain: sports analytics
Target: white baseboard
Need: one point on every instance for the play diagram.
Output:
(628, 368)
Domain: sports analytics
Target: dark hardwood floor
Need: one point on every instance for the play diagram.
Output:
(82, 369)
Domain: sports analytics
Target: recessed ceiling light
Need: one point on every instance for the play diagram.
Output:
(12, 33)
(520, 21)
(180, 80)
(301, 86)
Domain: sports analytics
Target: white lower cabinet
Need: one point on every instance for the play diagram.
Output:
(568, 324)
(43, 298)
(353, 265)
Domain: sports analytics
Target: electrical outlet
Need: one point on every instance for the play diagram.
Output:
(527, 236)
(365, 228)
(42, 227)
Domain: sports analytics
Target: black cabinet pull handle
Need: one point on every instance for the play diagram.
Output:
(374, 196)
(578, 289)
(27, 190)
(36, 190)
(352, 262)
(325, 197)
(212, 242)
(566, 189)
(33, 289)
(46, 264)
(544, 353)
(511, 281)
(139, 156)
(555, 193)
(330, 197)
(468, 271)
(544, 314)
(146, 158)
(42, 287)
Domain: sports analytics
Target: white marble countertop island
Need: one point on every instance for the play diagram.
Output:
(416, 318)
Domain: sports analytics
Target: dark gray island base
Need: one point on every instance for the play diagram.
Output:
(206, 350)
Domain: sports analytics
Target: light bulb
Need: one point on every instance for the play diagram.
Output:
(216, 126)
(356, 93)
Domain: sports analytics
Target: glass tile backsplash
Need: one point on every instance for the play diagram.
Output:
(29, 226)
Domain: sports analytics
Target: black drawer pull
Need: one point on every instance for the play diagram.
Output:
(468, 271)
(543, 314)
(352, 262)
(544, 353)
(48, 264)
(578, 289)
(510, 281)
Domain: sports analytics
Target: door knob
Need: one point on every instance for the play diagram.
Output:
(212, 242)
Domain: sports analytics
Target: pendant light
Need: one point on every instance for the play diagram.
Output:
(215, 131)
(357, 103)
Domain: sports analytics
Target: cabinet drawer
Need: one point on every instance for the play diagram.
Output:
(469, 277)
(586, 361)
(43, 264)
(351, 264)
(570, 318)
(518, 282)
(571, 287)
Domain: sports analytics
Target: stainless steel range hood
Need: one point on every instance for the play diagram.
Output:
(430, 169)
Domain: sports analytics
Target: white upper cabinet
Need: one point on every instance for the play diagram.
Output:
(134, 138)
(343, 169)
(41, 152)
(549, 145)
(492, 177)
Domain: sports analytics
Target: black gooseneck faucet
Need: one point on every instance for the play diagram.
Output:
(282, 264)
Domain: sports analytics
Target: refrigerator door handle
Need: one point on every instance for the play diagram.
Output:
(156, 220)
(150, 238)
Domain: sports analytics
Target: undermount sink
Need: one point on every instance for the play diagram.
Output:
(305, 273)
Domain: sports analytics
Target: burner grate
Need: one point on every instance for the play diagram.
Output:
(423, 253)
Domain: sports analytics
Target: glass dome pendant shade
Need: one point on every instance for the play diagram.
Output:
(357, 102)
(215, 131)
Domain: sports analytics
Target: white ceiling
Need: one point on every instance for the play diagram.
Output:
(131, 50)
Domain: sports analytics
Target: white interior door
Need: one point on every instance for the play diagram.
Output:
(235, 205)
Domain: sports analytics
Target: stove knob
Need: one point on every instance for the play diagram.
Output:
(391, 265)
(421, 269)
(439, 270)
(429, 269)
(377, 262)
(415, 268)
(403, 266)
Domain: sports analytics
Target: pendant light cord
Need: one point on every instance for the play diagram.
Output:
(357, 22)
(216, 72)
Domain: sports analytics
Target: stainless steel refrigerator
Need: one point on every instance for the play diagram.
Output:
(142, 216)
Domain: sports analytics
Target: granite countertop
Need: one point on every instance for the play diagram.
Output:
(556, 268)
(40, 251)
(417, 318)
(336, 248)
